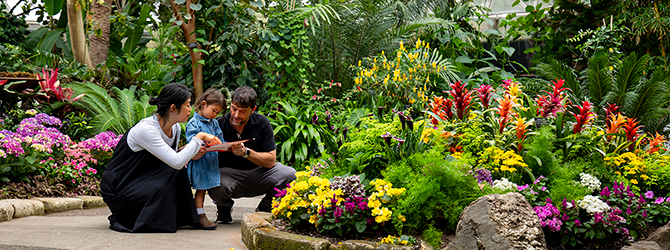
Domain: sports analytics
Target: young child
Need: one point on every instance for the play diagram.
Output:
(204, 172)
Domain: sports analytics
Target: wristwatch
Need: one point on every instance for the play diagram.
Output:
(246, 153)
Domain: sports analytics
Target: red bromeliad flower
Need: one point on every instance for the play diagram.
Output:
(656, 143)
(630, 128)
(462, 98)
(484, 94)
(552, 103)
(50, 85)
(505, 110)
(584, 117)
(610, 111)
(441, 107)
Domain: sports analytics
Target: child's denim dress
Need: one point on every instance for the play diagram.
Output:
(204, 172)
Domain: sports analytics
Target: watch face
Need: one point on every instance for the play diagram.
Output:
(246, 154)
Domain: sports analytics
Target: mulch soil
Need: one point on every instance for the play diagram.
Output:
(552, 244)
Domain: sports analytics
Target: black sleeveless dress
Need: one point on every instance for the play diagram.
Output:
(145, 194)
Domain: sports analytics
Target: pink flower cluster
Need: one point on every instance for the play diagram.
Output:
(105, 141)
(548, 215)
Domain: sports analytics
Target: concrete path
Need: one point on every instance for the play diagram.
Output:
(89, 229)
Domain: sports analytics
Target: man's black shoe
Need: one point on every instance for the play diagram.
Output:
(223, 215)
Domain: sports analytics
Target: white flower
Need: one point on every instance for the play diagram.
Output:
(593, 205)
(504, 184)
(589, 181)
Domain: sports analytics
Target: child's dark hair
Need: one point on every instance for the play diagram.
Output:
(172, 93)
(211, 97)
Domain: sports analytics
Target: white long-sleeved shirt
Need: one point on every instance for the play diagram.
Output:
(148, 135)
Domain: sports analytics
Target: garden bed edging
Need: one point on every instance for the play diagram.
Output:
(257, 233)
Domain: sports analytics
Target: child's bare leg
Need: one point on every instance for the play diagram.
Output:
(199, 204)
(200, 200)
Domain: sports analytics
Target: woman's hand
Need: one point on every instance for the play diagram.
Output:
(209, 139)
(200, 153)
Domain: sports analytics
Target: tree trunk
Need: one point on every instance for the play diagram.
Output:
(77, 33)
(99, 41)
(188, 28)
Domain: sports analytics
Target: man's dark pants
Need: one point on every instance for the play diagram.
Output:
(248, 183)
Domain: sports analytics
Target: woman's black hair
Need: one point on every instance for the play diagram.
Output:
(172, 93)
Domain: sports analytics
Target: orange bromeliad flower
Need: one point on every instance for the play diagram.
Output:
(614, 125)
(656, 143)
(505, 110)
(521, 129)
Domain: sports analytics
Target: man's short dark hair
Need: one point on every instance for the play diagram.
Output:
(244, 97)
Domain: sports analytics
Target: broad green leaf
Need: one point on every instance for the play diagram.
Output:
(53, 7)
(50, 40)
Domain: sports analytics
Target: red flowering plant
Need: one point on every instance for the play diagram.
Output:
(484, 95)
(462, 99)
(584, 117)
(440, 109)
(631, 128)
(554, 102)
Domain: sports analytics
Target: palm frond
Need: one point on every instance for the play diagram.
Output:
(598, 82)
(628, 76)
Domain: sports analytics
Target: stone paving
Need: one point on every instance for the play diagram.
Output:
(88, 229)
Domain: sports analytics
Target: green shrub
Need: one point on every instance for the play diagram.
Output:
(562, 182)
(437, 191)
(659, 174)
(366, 139)
(540, 157)
(433, 236)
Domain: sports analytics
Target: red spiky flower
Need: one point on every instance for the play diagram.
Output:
(484, 94)
(462, 98)
(610, 111)
(552, 103)
(584, 116)
(631, 128)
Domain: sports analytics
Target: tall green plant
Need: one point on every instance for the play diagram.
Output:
(117, 113)
(299, 136)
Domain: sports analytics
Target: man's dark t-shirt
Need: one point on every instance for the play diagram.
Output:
(258, 131)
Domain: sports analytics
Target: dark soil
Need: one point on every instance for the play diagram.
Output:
(552, 244)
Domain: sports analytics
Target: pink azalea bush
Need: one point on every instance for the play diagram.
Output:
(36, 147)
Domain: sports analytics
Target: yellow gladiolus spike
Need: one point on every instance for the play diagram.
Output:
(359, 63)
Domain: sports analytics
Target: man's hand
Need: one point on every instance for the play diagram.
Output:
(200, 153)
(238, 149)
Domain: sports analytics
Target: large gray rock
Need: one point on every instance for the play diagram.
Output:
(6, 211)
(661, 236)
(499, 222)
(23, 208)
(53, 205)
(643, 245)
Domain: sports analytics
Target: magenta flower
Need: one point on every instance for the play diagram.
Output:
(521, 188)
(649, 194)
(659, 200)
(606, 192)
(578, 223)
